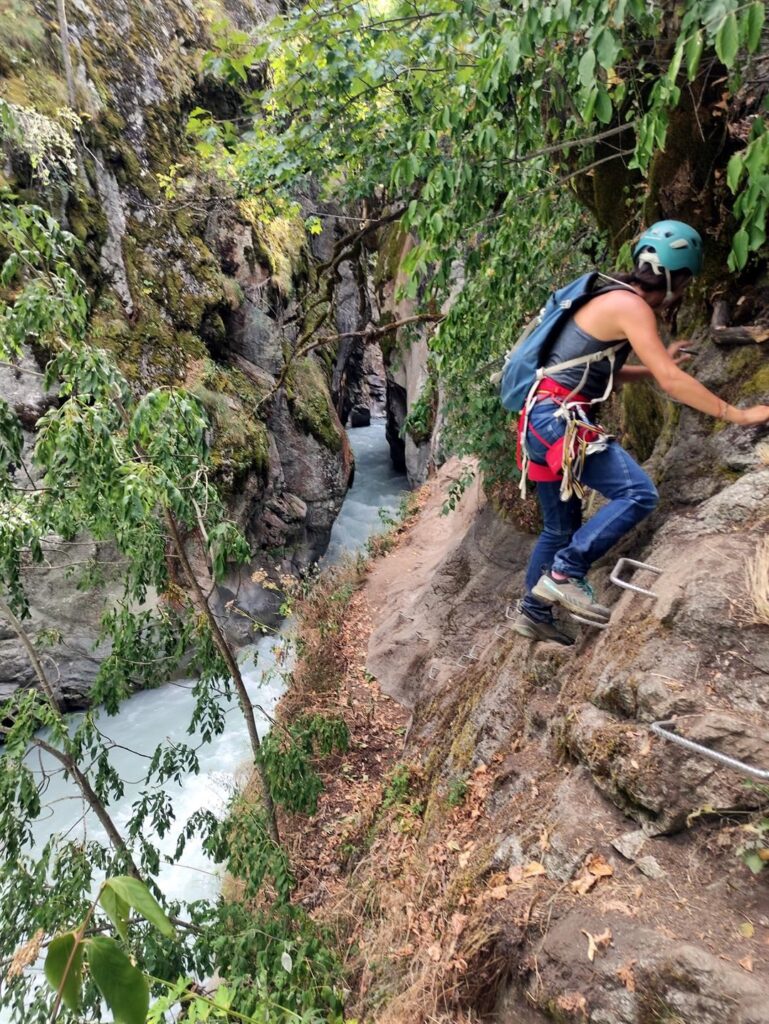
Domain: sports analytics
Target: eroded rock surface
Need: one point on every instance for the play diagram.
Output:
(558, 742)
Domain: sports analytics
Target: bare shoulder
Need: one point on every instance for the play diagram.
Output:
(609, 316)
(619, 298)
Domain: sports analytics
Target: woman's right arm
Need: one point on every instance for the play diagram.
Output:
(638, 323)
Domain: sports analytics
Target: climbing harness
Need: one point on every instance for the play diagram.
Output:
(666, 731)
(565, 457)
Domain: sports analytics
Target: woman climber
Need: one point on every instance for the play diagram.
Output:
(564, 451)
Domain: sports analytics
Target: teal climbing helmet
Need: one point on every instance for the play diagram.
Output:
(669, 245)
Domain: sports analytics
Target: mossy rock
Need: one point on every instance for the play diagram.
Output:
(241, 442)
(463, 746)
(280, 241)
(643, 415)
(391, 243)
(148, 347)
(307, 392)
(26, 75)
(747, 375)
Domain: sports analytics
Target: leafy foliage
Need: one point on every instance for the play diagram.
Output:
(287, 754)
(489, 130)
(132, 471)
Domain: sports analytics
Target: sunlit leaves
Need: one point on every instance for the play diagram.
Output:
(123, 986)
(133, 893)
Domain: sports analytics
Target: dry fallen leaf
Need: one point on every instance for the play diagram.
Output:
(596, 865)
(626, 975)
(595, 943)
(533, 868)
(583, 883)
(499, 892)
(458, 922)
(434, 952)
(572, 1002)
(746, 964)
(619, 907)
(747, 930)
(515, 873)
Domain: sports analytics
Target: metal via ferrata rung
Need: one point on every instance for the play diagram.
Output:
(589, 622)
(665, 730)
(619, 568)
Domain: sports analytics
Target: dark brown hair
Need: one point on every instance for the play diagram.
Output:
(648, 281)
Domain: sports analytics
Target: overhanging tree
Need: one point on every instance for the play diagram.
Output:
(129, 470)
(503, 135)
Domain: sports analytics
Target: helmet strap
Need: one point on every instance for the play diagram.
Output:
(669, 293)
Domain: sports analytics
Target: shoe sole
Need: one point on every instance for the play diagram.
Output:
(531, 634)
(556, 597)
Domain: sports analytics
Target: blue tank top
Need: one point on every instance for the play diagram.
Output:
(573, 342)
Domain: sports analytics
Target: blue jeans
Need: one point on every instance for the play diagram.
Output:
(565, 544)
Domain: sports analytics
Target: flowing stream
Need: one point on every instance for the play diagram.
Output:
(151, 717)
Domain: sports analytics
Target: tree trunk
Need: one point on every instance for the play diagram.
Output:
(223, 647)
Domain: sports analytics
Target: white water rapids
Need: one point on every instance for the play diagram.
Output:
(154, 716)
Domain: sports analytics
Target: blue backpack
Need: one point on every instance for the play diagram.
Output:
(523, 367)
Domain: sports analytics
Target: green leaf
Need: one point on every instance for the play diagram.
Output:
(603, 107)
(137, 895)
(757, 232)
(586, 68)
(727, 40)
(693, 53)
(607, 48)
(123, 986)
(59, 953)
(589, 107)
(755, 19)
(740, 248)
(513, 54)
(734, 171)
(116, 909)
(754, 862)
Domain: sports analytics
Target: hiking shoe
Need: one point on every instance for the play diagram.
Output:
(574, 594)
(544, 631)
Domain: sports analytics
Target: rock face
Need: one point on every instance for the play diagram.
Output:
(415, 447)
(557, 741)
(189, 288)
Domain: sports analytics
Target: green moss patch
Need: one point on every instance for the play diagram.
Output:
(644, 417)
(391, 243)
(307, 391)
(241, 443)
(280, 241)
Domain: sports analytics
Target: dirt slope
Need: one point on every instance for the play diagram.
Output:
(549, 811)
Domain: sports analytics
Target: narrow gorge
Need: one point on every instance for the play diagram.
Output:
(272, 753)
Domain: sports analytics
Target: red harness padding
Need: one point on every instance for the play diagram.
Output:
(552, 472)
